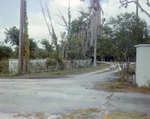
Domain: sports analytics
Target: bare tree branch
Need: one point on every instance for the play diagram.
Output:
(45, 18)
(66, 25)
(62, 17)
(144, 11)
(59, 16)
(48, 12)
(86, 15)
(148, 3)
(126, 2)
(60, 24)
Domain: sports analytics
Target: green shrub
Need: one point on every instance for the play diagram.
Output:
(61, 64)
(4, 67)
(51, 64)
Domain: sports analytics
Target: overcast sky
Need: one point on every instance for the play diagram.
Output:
(10, 14)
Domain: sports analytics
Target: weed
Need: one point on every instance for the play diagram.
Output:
(40, 115)
(82, 114)
(37, 115)
(28, 72)
(25, 115)
(124, 115)
(121, 85)
(134, 85)
(95, 113)
(121, 80)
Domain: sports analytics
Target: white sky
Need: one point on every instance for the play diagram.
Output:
(9, 14)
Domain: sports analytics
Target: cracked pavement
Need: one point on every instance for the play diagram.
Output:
(62, 95)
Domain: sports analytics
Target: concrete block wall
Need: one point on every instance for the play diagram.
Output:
(78, 63)
(40, 64)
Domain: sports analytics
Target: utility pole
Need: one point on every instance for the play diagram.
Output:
(137, 15)
(137, 3)
(21, 37)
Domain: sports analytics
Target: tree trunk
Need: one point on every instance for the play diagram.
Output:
(95, 51)
(69, 30)
(62, 52)
(67, 49)
(95, 37)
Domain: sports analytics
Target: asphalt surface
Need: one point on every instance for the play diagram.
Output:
(62, 95)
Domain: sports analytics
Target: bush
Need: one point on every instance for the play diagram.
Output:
(5, 52)
(51, 64)
(4, 67)
(61, 65)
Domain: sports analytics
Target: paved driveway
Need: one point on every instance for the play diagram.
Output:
(61, 95)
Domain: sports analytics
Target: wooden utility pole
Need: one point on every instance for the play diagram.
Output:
(137, 6)
(21, 37)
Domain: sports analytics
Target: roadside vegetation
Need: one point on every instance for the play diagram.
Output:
(56, 73)
(122, 84)
(124, 115)
(113, 44)
(95, 113)
(4, 67)
(91, 113)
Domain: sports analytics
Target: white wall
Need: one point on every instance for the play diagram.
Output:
(142, 64)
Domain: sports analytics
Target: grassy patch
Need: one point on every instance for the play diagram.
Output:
(121, 85)
(37, 115)
(40, 115)
(123, 115)
(25, 115)
(58, 73)
(96, 113)
(91, 113)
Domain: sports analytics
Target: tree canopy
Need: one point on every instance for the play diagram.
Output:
(12, 36)
(5, 52)
(121, 34)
